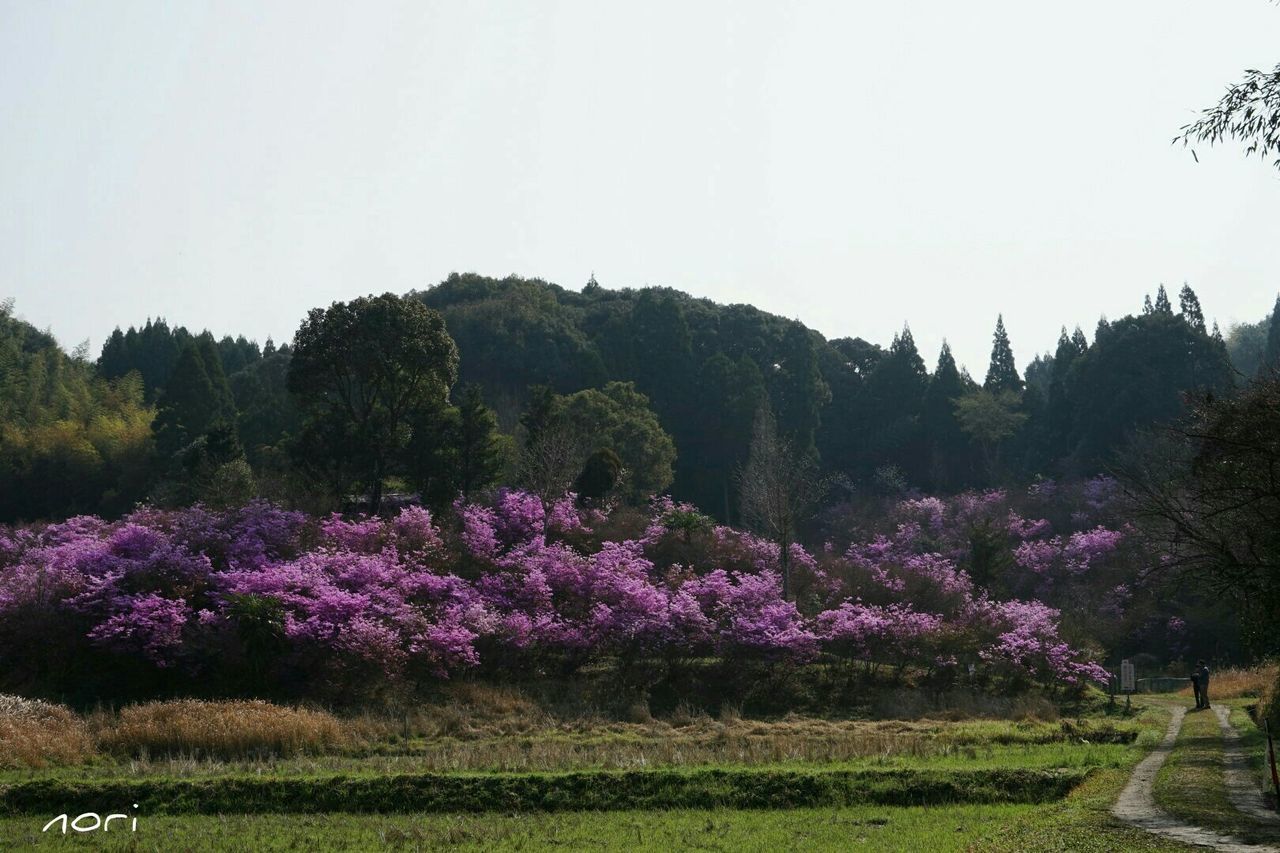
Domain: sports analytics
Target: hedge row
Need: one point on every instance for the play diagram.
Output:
(511, 792)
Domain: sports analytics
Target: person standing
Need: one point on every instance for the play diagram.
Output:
(1203, 674)
(1195, 685)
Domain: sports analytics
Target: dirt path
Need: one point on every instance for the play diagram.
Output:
(1242, 788)
(1137, 805)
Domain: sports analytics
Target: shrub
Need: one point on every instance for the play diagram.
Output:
(35, 734)
(219, 730)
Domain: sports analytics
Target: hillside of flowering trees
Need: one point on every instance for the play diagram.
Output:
(948, 590)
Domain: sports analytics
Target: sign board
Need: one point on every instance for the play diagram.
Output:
(1126, 676)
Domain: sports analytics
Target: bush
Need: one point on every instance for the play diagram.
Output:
(228, 730)
(35, 734)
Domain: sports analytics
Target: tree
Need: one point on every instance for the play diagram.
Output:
(1271, 355)
(1163, 305)
(730, 393)
(600, 474)
(195, 400)
(895, 391)
(950, 448)
(359, 371)
(1249, 112)
(618, 417)
(1002, 374)
(1208, 493)
(1061, 407)
(1190, 309)
(1136, 374)
(990, 419)
(798, 390)
(779, 488)
(478, 445)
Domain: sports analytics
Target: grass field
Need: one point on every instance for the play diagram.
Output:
(993, 784)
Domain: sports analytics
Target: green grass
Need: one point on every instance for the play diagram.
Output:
(1191, 785)
(795, 745)
(579, 791)
(952, 828)
(1080, 821)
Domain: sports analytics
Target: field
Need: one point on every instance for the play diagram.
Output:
(490, 770)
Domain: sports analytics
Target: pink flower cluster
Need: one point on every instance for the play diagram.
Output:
(511, 582)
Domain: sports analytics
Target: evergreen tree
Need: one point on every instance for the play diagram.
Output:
(799, 392)
(1162, 305)
(895, 391)
(478, 444)
(1147, 307)
(1271, 355)
(1061, 410)
(1190, 308)
(1002, 375)
(949, 447)
(189, 405)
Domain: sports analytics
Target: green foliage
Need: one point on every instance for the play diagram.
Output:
(618, 417)
(454, 450)
(1002, 374)
(69, 442)
(1271, 355)
(1136, 374)
(991, 419)
(600, 475)
(196, 400)
(361, 370)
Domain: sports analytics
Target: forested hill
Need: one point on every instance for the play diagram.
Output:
(668, 384)
(874, 414)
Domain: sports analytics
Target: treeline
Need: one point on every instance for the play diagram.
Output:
(876, 416)
(620, 393)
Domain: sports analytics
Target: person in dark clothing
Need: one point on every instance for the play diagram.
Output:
(1195, 685)
(1203, 674)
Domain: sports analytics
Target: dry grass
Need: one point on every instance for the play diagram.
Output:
(469, 711)
(1235, 683)
(228, 730)
(37, 734)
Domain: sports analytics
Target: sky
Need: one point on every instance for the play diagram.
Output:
(854, 165)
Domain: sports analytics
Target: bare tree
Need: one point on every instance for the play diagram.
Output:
(778, 488)
(1208, 492)
(551, 461)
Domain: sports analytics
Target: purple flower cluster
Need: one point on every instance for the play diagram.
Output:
(511, 581)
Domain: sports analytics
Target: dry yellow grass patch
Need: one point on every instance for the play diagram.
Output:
(36, 734)
(218, 730)
(1235, 683)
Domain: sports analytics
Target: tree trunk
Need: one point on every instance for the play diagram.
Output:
(375, 489)
(784, 562)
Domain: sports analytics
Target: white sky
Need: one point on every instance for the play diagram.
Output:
(850, 164)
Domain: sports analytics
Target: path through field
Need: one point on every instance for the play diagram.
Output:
(1137, 805)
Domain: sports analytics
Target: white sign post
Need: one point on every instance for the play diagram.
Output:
(1127, 681)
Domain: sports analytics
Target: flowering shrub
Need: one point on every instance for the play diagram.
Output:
(513, 583)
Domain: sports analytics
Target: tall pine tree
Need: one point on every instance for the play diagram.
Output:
(1191, 311)
(1002, 374)
(949, 446)
(1163, 305)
